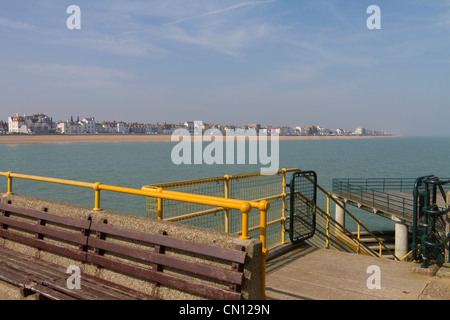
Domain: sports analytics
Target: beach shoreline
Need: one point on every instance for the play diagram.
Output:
(117, 138)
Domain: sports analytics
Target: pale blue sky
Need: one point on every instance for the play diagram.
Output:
(274, 62)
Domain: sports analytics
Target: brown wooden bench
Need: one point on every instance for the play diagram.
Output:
(159, 260)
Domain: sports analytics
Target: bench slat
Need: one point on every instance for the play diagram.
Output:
(41, 244)
(185, 245)
(86, 292)
(53, 276)
(45, 230)
(163, 278)
(10, 276)
(67, 221)
(169, 261)
(50, 293)
(51, 279)
(89, 281)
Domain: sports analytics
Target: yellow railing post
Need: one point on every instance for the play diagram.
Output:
(359, 237)
(327, 242)
(160, 206)
(283, 207)
(97, 196)
(8, 175)
(227, 195)
(264, 206)
(245, 209)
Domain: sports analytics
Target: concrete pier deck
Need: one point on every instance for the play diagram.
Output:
(307, 273)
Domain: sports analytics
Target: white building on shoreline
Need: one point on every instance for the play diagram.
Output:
(35, 124)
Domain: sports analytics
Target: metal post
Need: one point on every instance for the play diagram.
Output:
(160, 206)
(447, 229)
(283, 208)
(359, 237)
(327, 242)
(227, 195)
(97, 197)
(245, 209)
(263, 208)
(8, 175)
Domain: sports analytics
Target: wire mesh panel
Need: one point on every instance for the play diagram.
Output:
(302, 222)
(250, 187)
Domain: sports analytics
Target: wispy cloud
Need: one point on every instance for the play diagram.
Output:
(136, 29)
(223, 10)
(230, 41)
(21, 26)
(76, 75)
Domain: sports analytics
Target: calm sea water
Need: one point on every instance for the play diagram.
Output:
(138, 164)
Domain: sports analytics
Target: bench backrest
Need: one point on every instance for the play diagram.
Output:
(33, 228)
(198, 268)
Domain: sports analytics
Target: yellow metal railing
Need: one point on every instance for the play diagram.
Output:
(225, 200)
(245, 207)
(257, 187)
(342, 235)
(357, 239)
(254, 187)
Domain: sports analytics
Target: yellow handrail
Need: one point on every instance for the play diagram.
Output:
(244, 206)
(330, 197)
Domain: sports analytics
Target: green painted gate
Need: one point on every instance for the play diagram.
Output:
(303, 195)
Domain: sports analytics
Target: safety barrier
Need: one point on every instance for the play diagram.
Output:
(242, 206)
(379, 194)
(257, 187)
(225, 204)
(253, 187)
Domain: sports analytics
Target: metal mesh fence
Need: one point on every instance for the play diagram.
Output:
(254, 187)
(249, 187)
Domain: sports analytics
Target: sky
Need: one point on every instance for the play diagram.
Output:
(272, 62)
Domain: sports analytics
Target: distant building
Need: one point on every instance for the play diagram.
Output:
(360, 131)
(69, 127)
(35, 124)
(122, 127)
(140, 128)
(255, 126)
(3, 127)
(107, 127)
(88, 125)
(169, 128)
(189, 126)
(310, 129)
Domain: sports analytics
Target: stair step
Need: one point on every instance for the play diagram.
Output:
(376, 233)
(373, 240)
(387, 245)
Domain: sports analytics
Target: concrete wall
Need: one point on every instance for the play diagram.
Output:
(251, 289)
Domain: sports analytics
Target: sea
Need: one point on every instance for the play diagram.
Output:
(141, 163)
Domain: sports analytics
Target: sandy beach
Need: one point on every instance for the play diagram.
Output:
(117, 138)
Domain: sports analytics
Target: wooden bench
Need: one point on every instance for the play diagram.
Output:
(161, 261)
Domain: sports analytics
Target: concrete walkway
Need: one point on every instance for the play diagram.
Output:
(307, 273)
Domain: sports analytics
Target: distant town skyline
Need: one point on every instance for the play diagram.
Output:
(234, 62)
(40, 123)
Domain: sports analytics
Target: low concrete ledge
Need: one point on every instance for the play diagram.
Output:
(252, 286)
